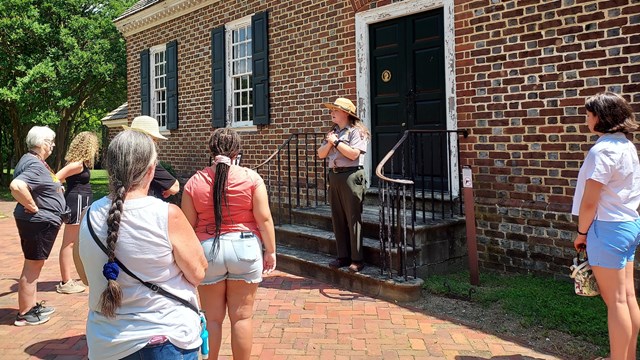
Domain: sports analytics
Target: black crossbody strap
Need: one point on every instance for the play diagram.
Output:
(152, 286)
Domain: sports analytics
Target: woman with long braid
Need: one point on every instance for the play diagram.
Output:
(228, 207)
(155, 242)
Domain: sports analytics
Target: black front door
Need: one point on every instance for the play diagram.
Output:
(408, 87)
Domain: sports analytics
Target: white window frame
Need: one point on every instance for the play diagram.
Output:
(231, 91)
(158, 93)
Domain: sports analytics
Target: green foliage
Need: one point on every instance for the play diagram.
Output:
(535, 301)
(62, 64)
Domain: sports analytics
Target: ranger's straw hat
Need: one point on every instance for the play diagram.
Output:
(343, 104)
(147, 125)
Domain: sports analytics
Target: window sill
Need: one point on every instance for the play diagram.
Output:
(251, 128)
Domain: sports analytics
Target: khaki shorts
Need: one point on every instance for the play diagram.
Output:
(237, 256)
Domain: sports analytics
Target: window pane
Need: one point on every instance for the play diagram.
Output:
(243, 50)
(236, 83)
(250, 80)
(244, 98)
(236, 99)
(235, 36)
(237, 114)
(241, 34)
(249, 65)
(250, 97)
(245, 82)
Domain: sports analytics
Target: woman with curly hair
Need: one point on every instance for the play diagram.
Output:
(80, 159)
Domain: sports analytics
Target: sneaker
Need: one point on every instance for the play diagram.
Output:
(70, 287)
(31, 317)
(44, 310)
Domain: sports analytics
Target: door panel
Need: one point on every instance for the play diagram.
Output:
(408, 90)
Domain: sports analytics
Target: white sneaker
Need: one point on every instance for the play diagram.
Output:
(70, 287)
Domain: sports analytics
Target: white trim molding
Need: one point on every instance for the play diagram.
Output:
(115, 123)
(159, 13)
(363, 63)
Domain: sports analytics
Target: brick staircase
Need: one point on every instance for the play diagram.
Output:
(306, 246)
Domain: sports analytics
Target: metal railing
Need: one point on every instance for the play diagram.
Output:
(419, 180)
(295, 176)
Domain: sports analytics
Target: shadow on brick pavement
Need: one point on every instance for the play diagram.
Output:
(295, 318)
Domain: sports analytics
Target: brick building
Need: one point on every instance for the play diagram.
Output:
(515, 73)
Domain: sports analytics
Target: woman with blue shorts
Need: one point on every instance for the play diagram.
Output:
(228, 207)
(606, 200)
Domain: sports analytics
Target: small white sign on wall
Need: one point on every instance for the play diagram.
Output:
(466, 177)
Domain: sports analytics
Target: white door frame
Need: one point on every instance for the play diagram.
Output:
(363, 65)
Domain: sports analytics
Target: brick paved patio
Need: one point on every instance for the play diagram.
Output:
(295, 318)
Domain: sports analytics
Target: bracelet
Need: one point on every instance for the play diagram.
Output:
(581, 233)
(335, 143)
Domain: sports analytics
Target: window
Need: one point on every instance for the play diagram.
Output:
(159, 84)
(239, 73)
(158, 67)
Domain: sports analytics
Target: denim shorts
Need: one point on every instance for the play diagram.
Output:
(238, 257)
(612, 244)
(163, 351)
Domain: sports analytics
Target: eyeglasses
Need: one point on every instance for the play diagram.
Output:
(50, 142)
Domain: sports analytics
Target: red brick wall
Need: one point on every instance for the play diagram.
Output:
(311, 60)
(523, 71)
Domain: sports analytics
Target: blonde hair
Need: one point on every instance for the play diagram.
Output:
(84, 148)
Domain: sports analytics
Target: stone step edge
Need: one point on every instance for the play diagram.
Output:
(325, 235)
(369, 281)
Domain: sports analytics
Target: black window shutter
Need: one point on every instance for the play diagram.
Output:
(218, 61)
(172, 85)
(260, 60)
(145, 90)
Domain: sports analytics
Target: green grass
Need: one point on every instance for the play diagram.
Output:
(99, 183)
(534, 301)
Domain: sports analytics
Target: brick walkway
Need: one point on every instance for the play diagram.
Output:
(295, 318)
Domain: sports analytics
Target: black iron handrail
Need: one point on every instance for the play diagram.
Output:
(303, 168)
(400, 207)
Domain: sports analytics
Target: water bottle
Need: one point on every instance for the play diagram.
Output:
(204, 335)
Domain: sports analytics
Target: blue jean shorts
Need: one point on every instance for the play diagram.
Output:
(163, 351)
(238, 257)
(612, 244)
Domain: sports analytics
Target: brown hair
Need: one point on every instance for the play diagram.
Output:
(358, 124)
(613, 111)
(226, 142)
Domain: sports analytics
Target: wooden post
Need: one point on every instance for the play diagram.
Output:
(470, 216)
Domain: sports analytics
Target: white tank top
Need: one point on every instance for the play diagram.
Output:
(143, 246)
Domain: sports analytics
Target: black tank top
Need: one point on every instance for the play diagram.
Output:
(80, 182)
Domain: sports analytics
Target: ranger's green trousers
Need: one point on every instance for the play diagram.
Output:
(346, 194)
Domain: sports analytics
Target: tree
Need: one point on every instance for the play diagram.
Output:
(62, 63)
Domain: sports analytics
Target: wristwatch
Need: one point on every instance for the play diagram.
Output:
(336, 142)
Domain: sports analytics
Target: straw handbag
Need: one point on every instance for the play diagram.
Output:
(584, 281)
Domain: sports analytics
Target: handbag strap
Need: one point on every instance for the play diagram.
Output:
(152, 286)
